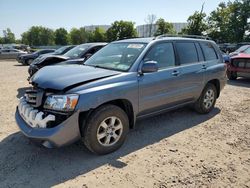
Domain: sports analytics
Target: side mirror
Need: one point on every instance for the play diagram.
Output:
(149, 66)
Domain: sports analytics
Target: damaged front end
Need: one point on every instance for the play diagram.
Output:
(53, 128)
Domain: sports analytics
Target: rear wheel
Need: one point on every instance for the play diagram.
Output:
(207, 100)
(106, 129)
(231, 75)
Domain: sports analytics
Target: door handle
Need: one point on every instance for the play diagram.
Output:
(175, 73)
(204, 67)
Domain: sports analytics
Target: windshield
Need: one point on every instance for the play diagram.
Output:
(247, 51)
(61, 50)
(116, 56)
(242, 48)
(77, 51)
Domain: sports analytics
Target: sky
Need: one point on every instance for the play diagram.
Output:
(20, 15)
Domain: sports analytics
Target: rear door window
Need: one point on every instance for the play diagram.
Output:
(187, 52)
(208, 51)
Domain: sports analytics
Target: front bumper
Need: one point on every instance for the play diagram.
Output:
(63, 134)
(32, 70)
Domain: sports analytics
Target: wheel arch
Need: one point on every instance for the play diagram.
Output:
(216, 83)
(124, 104)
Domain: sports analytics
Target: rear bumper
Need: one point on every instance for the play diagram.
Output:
(63, 134)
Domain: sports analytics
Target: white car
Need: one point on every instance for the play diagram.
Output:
(10, 53)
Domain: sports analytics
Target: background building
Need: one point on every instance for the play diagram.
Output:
(92, 27)
(144, 30)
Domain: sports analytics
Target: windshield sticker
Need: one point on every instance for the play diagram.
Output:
(136, 46)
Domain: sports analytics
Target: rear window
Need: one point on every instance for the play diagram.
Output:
(209, 51)
(187, 52)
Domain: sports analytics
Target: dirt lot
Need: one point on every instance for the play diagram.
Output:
(176, 149)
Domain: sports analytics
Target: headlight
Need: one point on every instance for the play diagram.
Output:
(61, 102)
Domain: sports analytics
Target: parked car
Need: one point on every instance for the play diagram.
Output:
(242, 49)
(239, 66)
(126, 80)
(59, 51)
(10, 53)
(28, 58)
(81, 52)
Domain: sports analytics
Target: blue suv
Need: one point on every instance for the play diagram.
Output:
(100, 101)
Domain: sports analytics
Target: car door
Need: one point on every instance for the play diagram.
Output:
(159, 90)
(5, 54)
(192, 69)
(13, 54)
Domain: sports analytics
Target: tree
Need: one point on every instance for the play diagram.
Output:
(219, 23)
(8, 36)
(150, 20)
(78, 36)
(164, 27)
(61, 36)
(47, 36)
(99, 35)
(38, 36)
(121, 30)
(228, 23)
(196, 23)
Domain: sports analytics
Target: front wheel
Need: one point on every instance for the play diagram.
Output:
(29, 61)
(106, 129)
(207, 99)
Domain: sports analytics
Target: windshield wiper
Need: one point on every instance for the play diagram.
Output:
(108, 68)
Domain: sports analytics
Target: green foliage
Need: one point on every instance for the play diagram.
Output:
(61, 36)
(228, 23)
(38, 36)
(8, 37)
(196, 24)
(99, 35)
(121, 30)
(164, 27)
(78, 36)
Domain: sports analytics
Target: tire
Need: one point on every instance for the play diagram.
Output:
(29, 61)
(105, 122)
(207, 99)
(231, 75)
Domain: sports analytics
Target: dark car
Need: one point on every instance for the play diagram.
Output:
(81, 52)
(239, 66)
(27, 59)
(59, 51)
(99, 101)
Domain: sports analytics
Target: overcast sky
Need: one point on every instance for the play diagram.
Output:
(20, 15)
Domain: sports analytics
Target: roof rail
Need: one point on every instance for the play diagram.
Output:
(183, 36)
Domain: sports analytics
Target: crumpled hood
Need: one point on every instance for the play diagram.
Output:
(61, 77)
(48, 57)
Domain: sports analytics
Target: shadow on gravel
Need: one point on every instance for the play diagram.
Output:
(242, 82)
(22, 164)
(20, 65)
(21, 91)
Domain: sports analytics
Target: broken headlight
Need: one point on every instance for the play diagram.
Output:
(61, 102)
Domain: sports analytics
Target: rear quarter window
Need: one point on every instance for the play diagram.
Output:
(208, 51)
(187, 52)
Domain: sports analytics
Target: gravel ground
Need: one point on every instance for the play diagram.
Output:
(176, 149)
